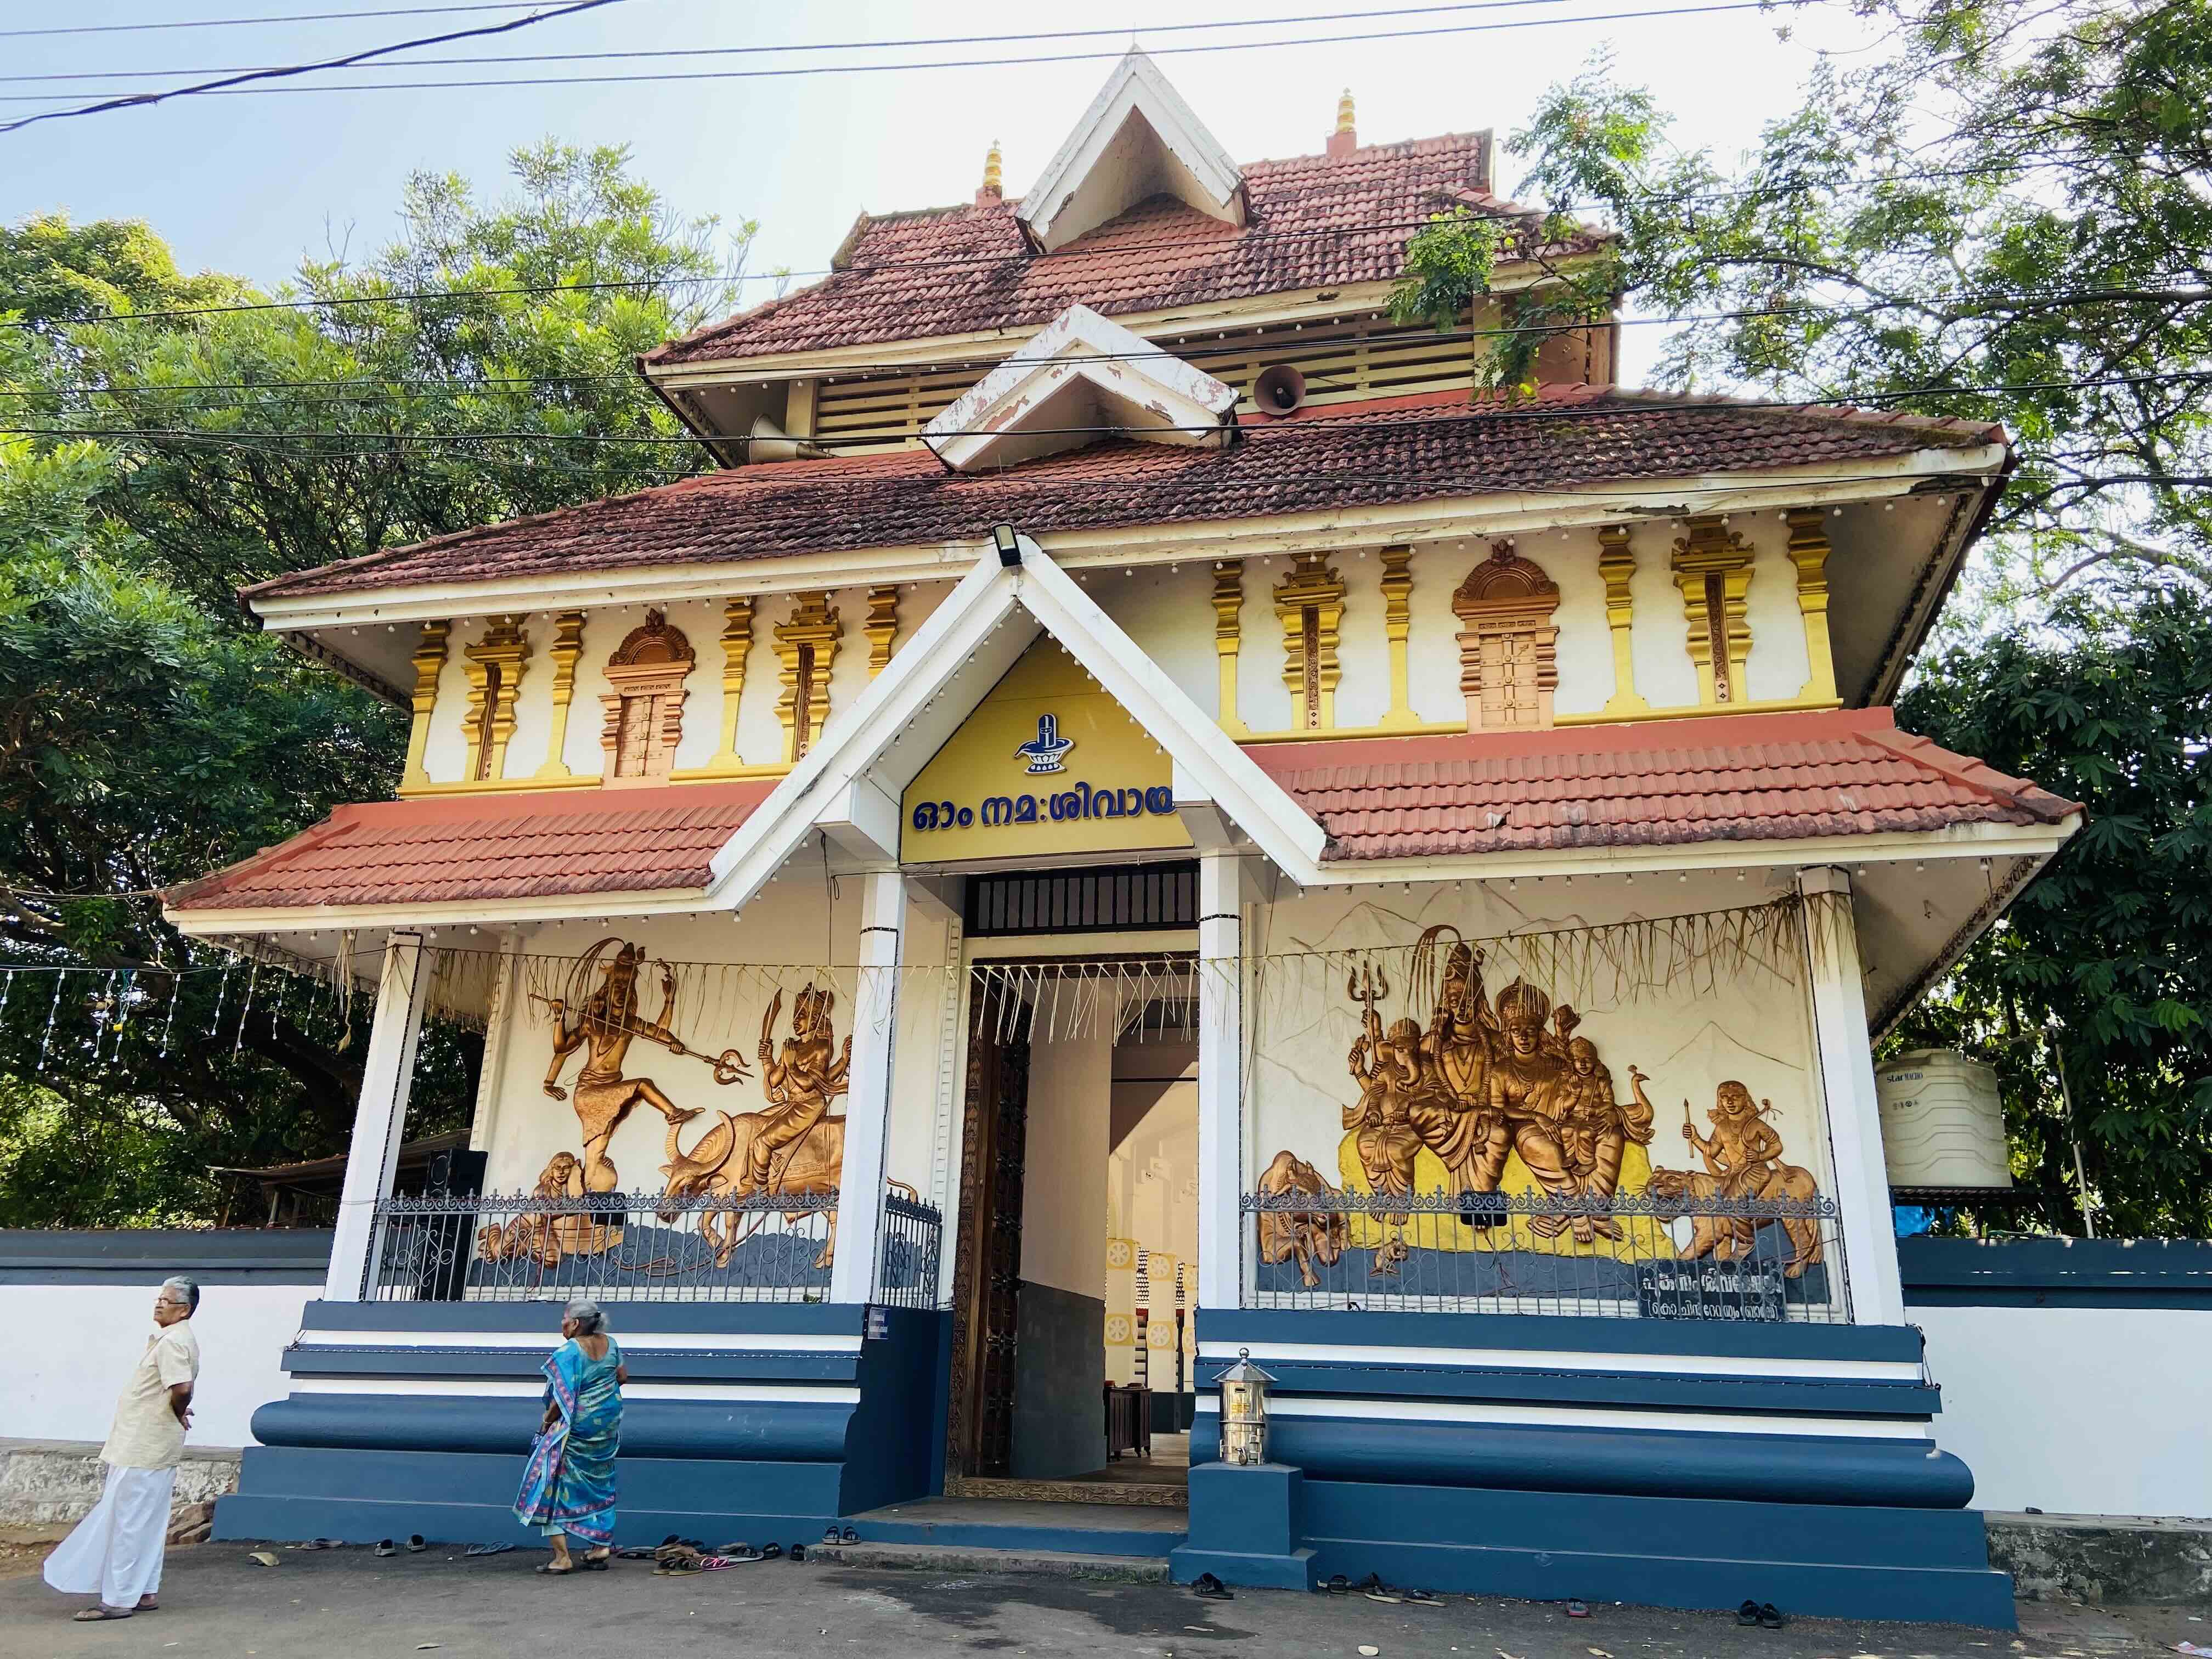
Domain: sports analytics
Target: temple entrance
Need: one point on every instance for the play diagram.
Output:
(1074, 1277)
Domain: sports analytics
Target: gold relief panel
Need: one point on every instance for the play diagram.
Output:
(644, 701)
(1309, 602)
(496, 663)
(1508, 643)
(1712, 567)
(807, 646)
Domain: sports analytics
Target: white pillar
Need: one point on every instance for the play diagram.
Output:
(868, 1088)
(1839, 1026)
(387, 1077)
(1221, 889)
(503, 1014)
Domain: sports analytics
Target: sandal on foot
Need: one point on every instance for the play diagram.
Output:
(1208, 1588)
(597, 1561)
(1747, 1614)
(147, 1604)
(95, 1615)
(549, 1569)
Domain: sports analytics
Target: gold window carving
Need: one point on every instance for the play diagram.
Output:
(644, 702)
(1508, 642)
(1310, 604)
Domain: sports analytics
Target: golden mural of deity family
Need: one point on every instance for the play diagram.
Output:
(1480, 1082)
(793, 1146)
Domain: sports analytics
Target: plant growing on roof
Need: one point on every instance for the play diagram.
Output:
(1450, 263)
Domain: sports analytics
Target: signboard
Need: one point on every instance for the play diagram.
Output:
(1707, 1289)
(1047, 763)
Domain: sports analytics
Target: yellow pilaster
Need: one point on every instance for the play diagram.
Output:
(568, 646)
(1228, 637)
(1615, 565)
(429, 659)
(1309, 602)
(496, 664)
(737, 645)
(1808, 551)
(806, 645)
(1398, 627)
(881, 628)
(1712, 567)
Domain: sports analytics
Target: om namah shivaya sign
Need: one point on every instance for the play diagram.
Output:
(1046, 763)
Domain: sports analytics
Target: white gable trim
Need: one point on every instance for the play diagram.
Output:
(921, 699)
(1080, 371)
(1095, 175)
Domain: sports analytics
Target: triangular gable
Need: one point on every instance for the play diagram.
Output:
(1081, 377)
(868, 755)
(1138, 139)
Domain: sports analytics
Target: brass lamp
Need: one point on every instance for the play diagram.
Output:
(1245, 1412)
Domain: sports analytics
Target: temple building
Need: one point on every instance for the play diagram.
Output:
(1140, 817)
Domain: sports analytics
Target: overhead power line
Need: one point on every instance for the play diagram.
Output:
(234, 82)
(219, 89)
(245, 23)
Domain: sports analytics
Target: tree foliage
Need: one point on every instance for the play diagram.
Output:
(148, 734)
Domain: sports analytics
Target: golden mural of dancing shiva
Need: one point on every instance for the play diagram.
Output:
(604, 1021)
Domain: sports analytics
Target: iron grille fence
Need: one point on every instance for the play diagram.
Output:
(609, 1247)
(1747, 1259)
(913, 1233)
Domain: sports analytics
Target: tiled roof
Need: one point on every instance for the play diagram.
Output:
(1311, 222)
(487, 847)
(1422, 447)
(1738, 777)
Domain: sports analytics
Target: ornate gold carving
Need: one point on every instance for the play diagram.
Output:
(644, 701)
(1509, 662)
(496, 664)
(1808, 551)
(1302, 1236)
(1309, 602)
(546, 1237)
(1228, 637)
(1743, 1159)
(881, 628)
(429, 659)
(794, 1147)
(568, 646)
(1397, 628)
(1712, 567)
(736, 640)
(807, 645)
(1616, 566)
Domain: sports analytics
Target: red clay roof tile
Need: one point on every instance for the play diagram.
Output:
(485, 847)
(1311, 222)
(1739, 777)
(1422, 447)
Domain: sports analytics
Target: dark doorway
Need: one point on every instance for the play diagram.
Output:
(986, 1279)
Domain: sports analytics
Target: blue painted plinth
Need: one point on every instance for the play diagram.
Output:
(1247, 1526)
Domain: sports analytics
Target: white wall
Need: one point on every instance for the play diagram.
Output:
(73, 1346)
(1064, 1162)
(2076, 1411)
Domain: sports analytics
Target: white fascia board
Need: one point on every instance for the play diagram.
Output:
(1137, 387)
(1135, 88)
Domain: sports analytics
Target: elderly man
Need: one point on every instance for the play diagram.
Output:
(116, 1550)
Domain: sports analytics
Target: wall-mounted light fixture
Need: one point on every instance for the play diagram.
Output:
(1009, 545)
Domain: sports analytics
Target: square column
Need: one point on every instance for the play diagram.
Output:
(1846, 1051)
(868, 1089)
(1224, 881)
(387, 1079)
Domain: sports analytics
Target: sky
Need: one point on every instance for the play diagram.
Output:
(252, 184)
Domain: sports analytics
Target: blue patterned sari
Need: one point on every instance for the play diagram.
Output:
(569, 1485)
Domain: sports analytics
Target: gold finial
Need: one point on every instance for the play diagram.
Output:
(992, 177)
(1343, 112)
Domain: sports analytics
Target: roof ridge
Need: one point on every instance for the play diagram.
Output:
(1973, 773)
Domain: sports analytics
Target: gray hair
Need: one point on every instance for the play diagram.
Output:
(179, 1288)
(589, 1321)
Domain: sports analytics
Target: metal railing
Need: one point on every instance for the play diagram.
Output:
(609, 1247)
(1747, 1259)
(913, 1243)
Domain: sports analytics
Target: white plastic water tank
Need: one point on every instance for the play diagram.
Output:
(1942, 1122)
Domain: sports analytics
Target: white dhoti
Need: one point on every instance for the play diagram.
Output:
(116, 1550)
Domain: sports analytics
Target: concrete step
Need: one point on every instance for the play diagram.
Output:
(953, 1558)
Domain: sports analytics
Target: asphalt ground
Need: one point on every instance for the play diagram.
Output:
(346, 1604)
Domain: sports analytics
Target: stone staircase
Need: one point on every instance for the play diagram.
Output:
(51, 1485)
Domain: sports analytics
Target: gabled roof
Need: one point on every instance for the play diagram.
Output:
(1077, 379)
(1738, 777)
(1311, 222)
(1428, 447)
(1138, 139)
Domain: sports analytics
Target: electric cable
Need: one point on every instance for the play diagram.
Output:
(241, 23)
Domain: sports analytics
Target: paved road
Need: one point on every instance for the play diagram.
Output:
(346, 1604)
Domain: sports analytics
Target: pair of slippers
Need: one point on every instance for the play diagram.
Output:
(1375, 1589)
(835, 1538)
(414, 1546)
(1763, 1614)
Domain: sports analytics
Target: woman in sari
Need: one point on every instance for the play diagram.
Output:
(568, 1486)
